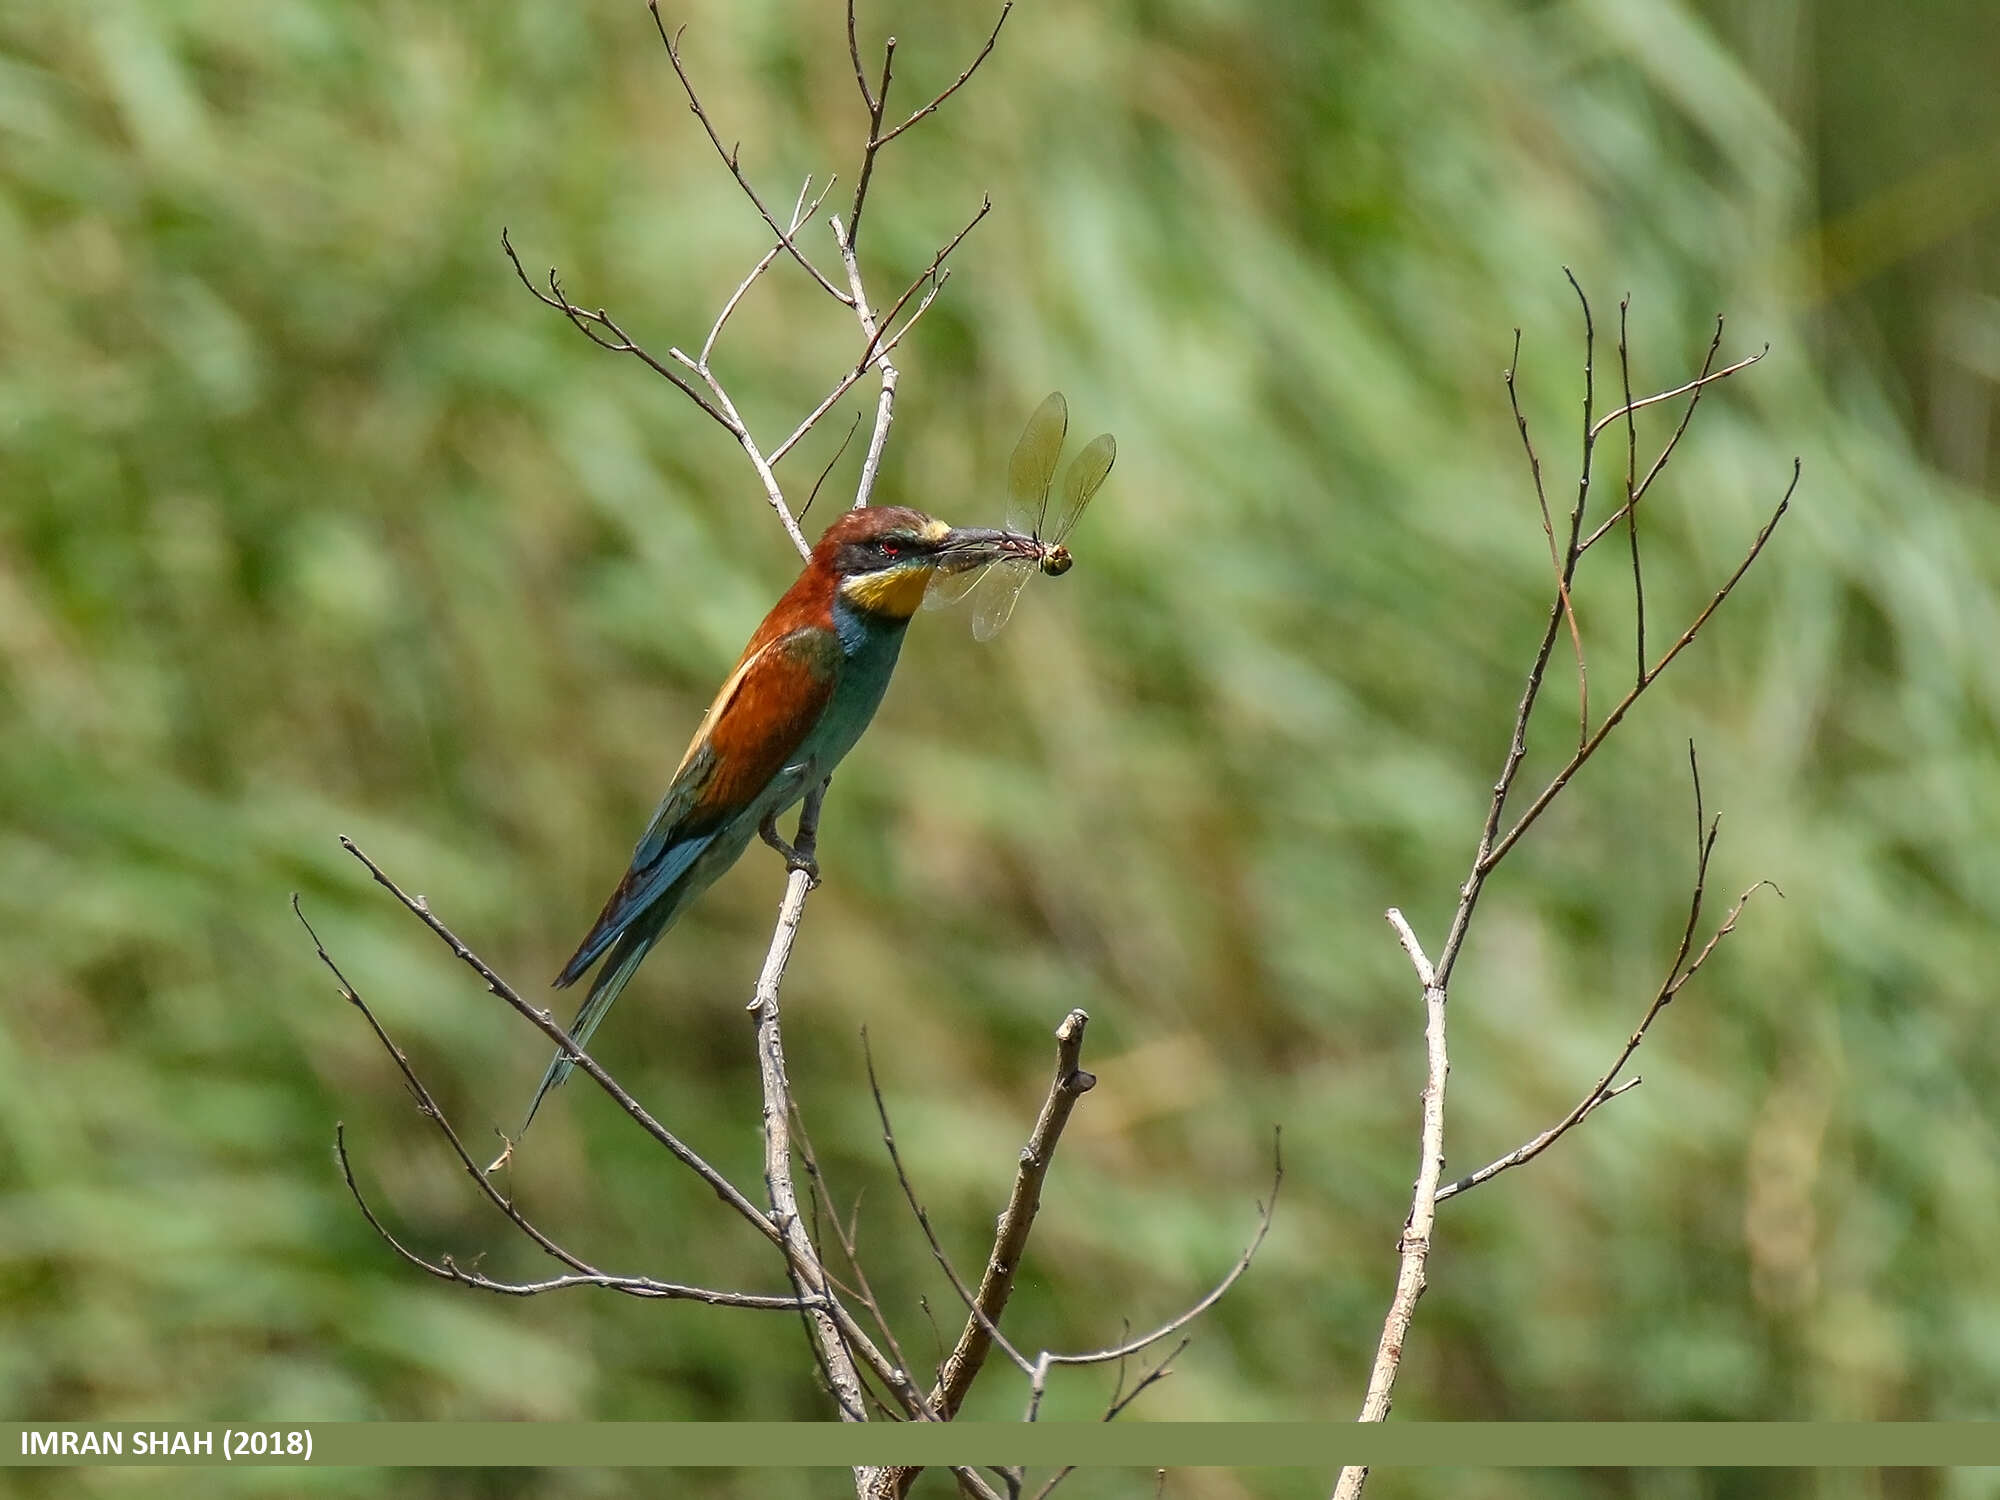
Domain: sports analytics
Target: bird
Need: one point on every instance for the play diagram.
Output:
(799, 697)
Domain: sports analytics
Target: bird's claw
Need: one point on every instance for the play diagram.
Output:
(796, 859)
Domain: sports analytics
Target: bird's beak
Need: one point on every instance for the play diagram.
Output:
(968, 547)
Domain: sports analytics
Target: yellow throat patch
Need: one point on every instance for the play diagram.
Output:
(896, 593)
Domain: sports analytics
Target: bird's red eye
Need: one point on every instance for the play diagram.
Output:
(892, 549)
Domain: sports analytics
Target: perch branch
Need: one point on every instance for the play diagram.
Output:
(1415, 1246)
(835, 1353)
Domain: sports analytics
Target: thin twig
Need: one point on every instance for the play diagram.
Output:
(931, 279)
(728, 155)
(1652, 674)
(853, 377)
(1631, 507)
(957, 83)
(1145, 1382)
(620, 342)
(773, 492)
(877, 101)
(1266, 1208)
(1415, 1245)
(1679, 972)
(854, 54)
(801, 213)
(1700, 383)
(1549, 531)
(446, 1268)
(722, 1187)
(846, 1235)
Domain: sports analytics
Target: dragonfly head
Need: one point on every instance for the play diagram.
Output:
(1056, 560)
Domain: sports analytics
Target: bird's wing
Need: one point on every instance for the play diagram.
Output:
(756, 724)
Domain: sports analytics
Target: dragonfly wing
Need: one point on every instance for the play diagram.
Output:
(998, 591)
(1085, 476)
(1033, 465)
(946, 589)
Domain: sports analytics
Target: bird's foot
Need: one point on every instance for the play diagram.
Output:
(795, 858)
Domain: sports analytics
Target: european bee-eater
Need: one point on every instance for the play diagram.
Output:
(802, 692)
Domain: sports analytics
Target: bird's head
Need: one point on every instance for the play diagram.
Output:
(883, 557)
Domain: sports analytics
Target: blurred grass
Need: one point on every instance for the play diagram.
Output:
(314, 523)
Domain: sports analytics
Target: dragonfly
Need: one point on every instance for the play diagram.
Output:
(1031, 476)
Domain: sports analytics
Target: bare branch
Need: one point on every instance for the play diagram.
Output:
(544, 1022)
(985, 1321)
(1699, 384)
(1494, 846)
(958, 83)
(853, 377)
(587, 323)
(728, 155)
(860, 74)
(773, 492)
(1678, 974)
(1589, 748)
(928, 276)
(808, 1276)
(1017, 1220)
(1145, 1382)
(1567, 572)
(446, 1268)
(1415, 1246)
(1631, 507)
(801, 212)
(878, 101)
(1047, 1361)
(1549, 531)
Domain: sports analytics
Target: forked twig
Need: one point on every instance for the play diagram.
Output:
(587, 322)
(1679, 972)
(1047, 1361)
(1494, 845)
(728, 155)
(446, 1268)
(876, 102)
(1590, 747)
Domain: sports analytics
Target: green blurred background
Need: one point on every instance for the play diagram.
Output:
(315, 523)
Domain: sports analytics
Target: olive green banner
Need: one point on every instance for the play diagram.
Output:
(1137, 1444)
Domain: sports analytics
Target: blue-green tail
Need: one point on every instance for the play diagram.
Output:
(626, 956)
